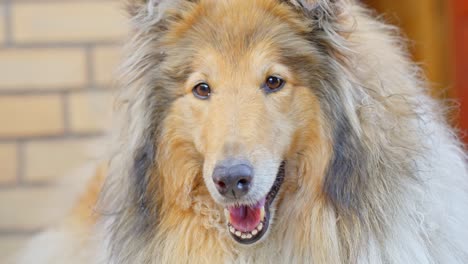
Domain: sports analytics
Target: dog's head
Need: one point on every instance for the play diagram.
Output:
(239, 91)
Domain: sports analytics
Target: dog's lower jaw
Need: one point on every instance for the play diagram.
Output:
(252, 234)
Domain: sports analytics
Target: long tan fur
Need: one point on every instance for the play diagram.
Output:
(373, 174)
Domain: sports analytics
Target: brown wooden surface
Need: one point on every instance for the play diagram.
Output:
(460, 22)
(426, 24)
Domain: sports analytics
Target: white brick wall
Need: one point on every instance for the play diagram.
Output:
(57, 60)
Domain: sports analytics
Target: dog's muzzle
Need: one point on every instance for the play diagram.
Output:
(247, 222)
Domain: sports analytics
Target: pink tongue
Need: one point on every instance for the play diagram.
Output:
(245, 218)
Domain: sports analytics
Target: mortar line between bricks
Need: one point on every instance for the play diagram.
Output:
(91, 79)
(30, 185)
(21, 162)
(64, 45)
(25, 91)
(64, 96)
(53, 137)
(18, 232)
(8, 34)
(61, 1)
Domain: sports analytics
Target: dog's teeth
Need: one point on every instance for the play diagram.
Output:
(260, 226)
(249, 236)
(232, 229)
(244, 236)
(254, 232)
(262, 213)
(238, 233)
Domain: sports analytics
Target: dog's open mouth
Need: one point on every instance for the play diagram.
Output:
(249, 223)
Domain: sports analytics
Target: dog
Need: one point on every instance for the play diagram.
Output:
(272, 131)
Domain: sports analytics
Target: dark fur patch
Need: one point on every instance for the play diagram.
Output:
(133, 227)
(344, 182)
(143, 162)
(345, 178)
(134, 224)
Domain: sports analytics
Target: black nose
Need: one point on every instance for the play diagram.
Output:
(232, 178)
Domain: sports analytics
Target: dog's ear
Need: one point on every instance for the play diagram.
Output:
(144, 8)
(307, 4)
(149, 11)
(134, 7)
(318, 9)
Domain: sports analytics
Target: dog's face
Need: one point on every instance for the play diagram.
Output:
(243, 98)
(244, 103)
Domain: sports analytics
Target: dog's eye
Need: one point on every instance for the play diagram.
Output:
(202, 91)
(273, 83)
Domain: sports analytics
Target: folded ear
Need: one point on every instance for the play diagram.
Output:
(134, 7)
(149, 10)
(317, 7)
(328, 15)
(307, 4)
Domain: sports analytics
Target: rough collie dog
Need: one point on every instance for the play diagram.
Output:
(269, 131)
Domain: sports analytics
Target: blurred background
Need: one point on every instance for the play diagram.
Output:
(57, 60)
